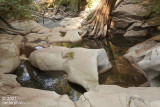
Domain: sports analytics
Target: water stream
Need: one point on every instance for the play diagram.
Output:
(29, 76)
(122, 73)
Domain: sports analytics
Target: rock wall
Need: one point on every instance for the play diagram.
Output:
(130, 21)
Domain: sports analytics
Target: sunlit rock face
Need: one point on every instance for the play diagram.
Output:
(128, 20)
(115, 96)
(54, 35)
(9, 53)
(24, 25)
(28, 97)
(147, 55)
(71, 23)
(8, 84)
(82, 65)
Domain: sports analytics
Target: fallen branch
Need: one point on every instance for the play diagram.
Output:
(15, 31)
(3, 20)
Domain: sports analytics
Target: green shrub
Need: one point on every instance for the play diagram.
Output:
(155, 5)
(72, 4)
(16, 8)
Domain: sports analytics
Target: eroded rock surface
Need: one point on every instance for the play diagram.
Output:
(147, 55)
(8, 84)
(9, 53)
(129, 20)
(80, 64)
(38, 98)
(115, 96)
(24, 25)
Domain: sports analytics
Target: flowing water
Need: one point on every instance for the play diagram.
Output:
(29, 76)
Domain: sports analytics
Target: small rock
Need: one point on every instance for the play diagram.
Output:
(133, 33)
(120, 23)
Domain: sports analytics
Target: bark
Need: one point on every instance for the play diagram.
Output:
(23, 33)
(98, 24)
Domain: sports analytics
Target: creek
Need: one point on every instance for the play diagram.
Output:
(122, 73)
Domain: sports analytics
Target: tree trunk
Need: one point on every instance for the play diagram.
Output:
(96, 24)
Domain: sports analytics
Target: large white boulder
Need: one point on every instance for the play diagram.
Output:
(82, 65)
(147, 55)
(115, 96)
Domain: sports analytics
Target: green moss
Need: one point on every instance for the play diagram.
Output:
(47, 37)
(67, 45)
(69, 55)
(63, 34)
(90, 16)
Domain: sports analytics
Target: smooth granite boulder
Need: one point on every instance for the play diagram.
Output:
(82, 65)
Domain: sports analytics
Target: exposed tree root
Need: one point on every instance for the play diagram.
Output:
(97, 26)
(23, 33)
(12, 29)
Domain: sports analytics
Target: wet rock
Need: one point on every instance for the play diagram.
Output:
(115, 96)
(147, 55)
(29, 76)
(28, 97)
(73, 62)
